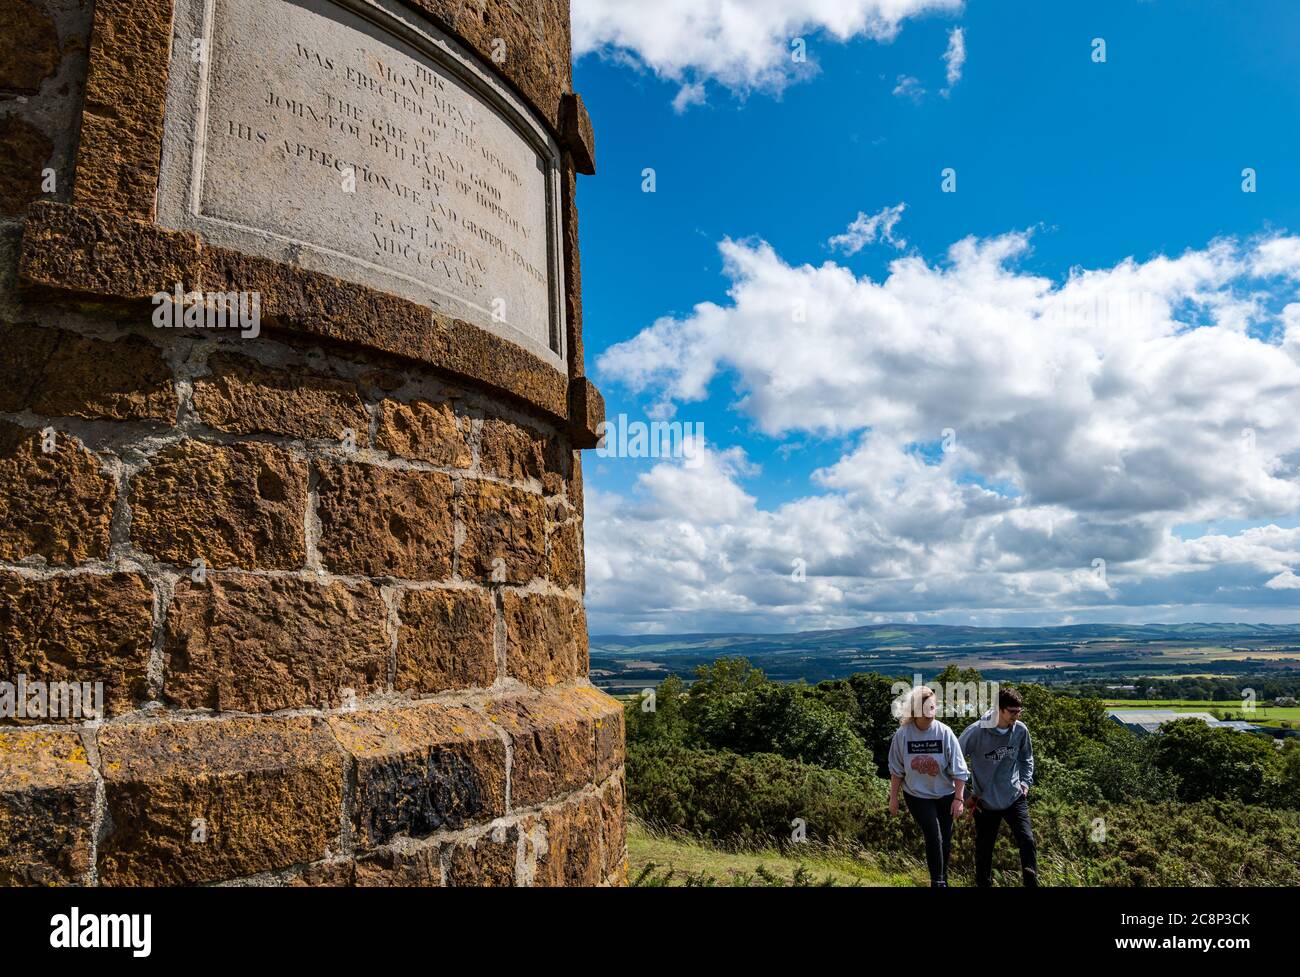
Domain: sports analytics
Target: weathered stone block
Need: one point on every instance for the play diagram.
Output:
(259, 644)
(575, 493)
(242, 396)
(238, 506)
(122, 113)
(421, 769)
(47, 795)
(488, 860)
(546, 638)
(505, 534)
(577, 133)
(510, 451)
(424, 430)
(62, 374)
(573, 303)
(445, 641)
(81, 628)
(565, 564)
(29, 47)
(28, 151)
(380, 522)
(553, 745)
(571, 855)
(586, 407)
(613, 813)
(56, 505)
(418, 868)
(199, 801)
(105, 254)
(607, 722)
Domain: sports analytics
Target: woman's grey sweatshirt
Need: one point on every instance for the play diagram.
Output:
(928, 761)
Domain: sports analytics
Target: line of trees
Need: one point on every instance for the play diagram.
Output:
(1265, 688)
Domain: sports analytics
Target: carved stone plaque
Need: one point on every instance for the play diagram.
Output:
(352, 137)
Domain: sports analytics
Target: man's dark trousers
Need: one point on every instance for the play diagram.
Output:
(986, 835)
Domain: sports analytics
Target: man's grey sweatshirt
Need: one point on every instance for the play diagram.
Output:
(999, 760)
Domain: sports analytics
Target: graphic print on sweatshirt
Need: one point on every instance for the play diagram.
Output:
(921, 752)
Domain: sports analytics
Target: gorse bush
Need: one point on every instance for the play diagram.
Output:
(1119, 768)
(1211, 843)
(1215, 762)
(865, 700)
(733, 707)
(751, 799)
(737, 759)
(781, 719)
(1283, 785)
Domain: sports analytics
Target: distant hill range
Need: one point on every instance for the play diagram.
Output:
(1038, 654)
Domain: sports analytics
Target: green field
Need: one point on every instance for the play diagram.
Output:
(658, 858)
(1261, 715)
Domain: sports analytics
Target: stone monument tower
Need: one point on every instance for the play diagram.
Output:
(291, 400)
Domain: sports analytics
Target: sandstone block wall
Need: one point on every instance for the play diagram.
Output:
(331, 578)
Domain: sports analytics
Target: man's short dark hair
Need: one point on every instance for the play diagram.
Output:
(1009, 699)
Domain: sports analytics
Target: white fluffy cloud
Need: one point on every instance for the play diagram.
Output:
(954, 57)
(741, 44)
(1010, 444)
(909, 87)
(688, 95)
(1286, 580)
(869, 228)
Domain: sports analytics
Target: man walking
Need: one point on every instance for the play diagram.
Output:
(1001, 761)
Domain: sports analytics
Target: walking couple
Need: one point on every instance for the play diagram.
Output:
(988, 771)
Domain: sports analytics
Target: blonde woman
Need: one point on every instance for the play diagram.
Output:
(926, 762)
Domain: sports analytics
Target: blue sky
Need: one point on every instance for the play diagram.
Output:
(1061, 163)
